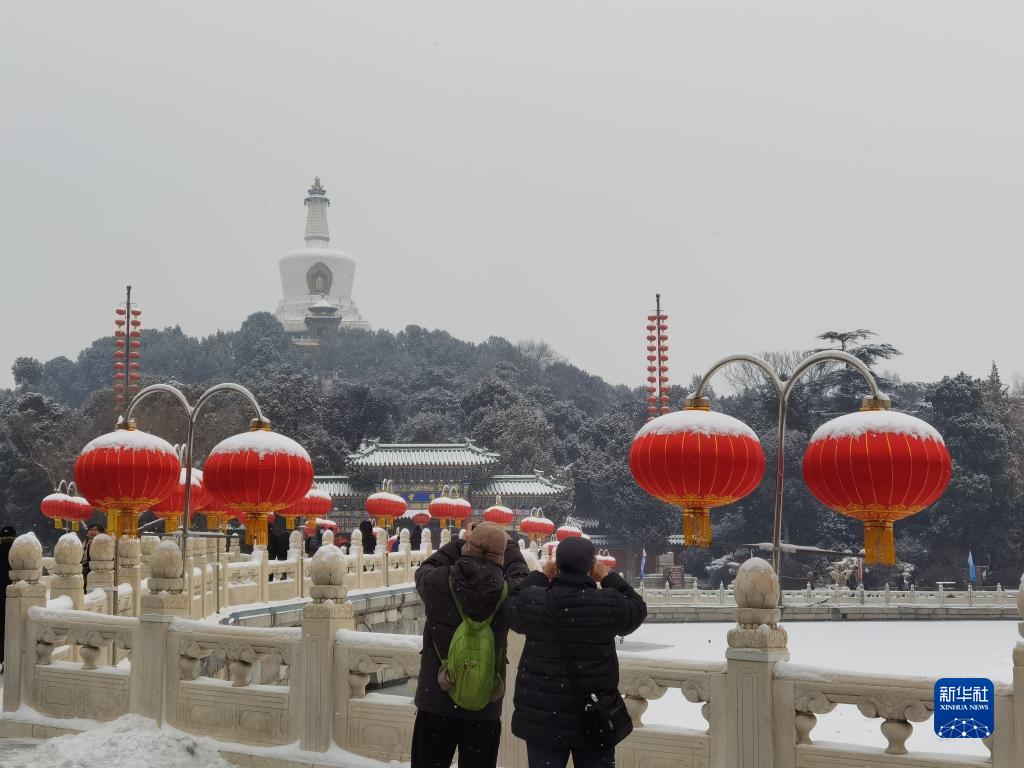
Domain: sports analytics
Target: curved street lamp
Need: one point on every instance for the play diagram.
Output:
(193, 413)
(877, 400)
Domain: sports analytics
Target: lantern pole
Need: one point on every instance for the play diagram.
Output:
(193, 412)
(877, 400)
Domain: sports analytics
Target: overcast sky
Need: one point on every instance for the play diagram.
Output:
(525, 169)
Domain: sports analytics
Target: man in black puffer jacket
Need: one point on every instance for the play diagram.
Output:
(479, 566)
(548, 713)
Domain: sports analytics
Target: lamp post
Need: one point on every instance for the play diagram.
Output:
(875, 401)
(192, 412)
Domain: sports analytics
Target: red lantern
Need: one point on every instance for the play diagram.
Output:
(550, 547)
(421, 517)
(567, 532)
(605, 558)
(877, 467)
(536, 526)
(384, 507)
(257, 472)
(697, 459)
(125, 472)
(499, 514)
(171, 509)
(314, 504)
(60, 507)
(449, 509)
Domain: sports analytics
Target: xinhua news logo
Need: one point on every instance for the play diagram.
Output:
(964, 708)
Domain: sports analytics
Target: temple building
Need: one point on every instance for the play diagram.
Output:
(316, 280)
(419, 472)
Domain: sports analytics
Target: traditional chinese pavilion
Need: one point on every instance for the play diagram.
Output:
(419, 471)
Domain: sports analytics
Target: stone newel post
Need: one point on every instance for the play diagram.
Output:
(129, 562)
(165, 599)
(101, 569)
(67, 570)
(25, 591)
(328, 612)
(756, 644)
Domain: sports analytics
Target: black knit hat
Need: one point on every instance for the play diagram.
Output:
(575, 555)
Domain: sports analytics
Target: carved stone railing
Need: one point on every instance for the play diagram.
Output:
(643, 680)
(803, 693)
(234, 683)
(94, 674)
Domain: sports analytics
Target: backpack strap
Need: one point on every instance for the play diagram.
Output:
(462, 613)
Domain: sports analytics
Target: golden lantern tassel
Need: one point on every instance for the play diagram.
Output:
(879, 542)
(697, 527)
(289, 523)
(112, 524)
(58, 523)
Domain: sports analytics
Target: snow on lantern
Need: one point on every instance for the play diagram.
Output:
(315, 503)
(449, 508)
(498, 513)
(877, 466)
(385, 505)
(125, 472)
(536, 526)
(172, 508)
(605, 558)
(258, 472)
(697, 459)
(567, 531)
(59, 506)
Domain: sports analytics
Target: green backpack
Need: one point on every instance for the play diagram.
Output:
(471, 669)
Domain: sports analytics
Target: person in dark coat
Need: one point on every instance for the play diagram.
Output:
(7, 536)
(369, 537)
(91, 533)
(313, 541)
(547, 712)
(415, 537)
(478, 567)
(277, 547)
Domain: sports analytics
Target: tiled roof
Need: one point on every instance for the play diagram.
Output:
(338, 485)
(422, 455)
(518, 485)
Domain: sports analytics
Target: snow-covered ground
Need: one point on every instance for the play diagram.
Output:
(132, 741)
(909, 648)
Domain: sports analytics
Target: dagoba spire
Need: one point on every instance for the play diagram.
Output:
(317, 233)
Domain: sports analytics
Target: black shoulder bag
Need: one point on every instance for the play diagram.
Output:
(603, 716)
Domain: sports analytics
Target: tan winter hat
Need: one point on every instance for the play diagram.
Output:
(487, 541)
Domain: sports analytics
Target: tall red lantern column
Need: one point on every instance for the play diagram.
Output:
(877, 466)
(257, 473)
(697, 459)
(125, 472)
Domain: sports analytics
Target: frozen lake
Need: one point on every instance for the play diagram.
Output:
(915, 648)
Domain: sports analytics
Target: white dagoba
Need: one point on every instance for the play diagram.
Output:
(317, 274)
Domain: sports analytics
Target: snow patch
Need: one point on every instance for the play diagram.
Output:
(702, 422)
(127, 742)
(261, 443)
(879, 422)
(129, 440)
